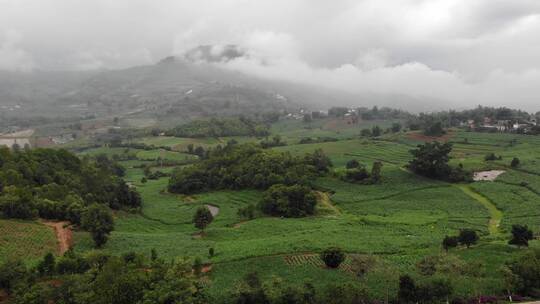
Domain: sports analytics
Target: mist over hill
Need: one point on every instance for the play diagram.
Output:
(183, 87)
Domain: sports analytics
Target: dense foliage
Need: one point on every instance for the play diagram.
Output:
(521, 235)
(357, 173)
(247, 166)
(56, 184)
(288, 201)
(219, 127)
(333, 257)
(99, 278)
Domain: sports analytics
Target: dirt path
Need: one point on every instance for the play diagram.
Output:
(495, 215)
(63, 235)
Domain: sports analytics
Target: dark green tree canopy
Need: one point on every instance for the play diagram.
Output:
(202, 217)
(521, 235)
(288, 201)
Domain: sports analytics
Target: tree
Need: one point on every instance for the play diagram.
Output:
(407, 292)
(307, 118)
(468, 237)
(515, 162)
(449, 242)
(47, 265)
(396, 127)
(376, 172)
(376, 131)
(521, 234)
(288, 201)
(434, 129)
(431, 160)
(353, 163)
(332, 257)
(97, 219)
(202, 218)
(525, 272)
(365, 133)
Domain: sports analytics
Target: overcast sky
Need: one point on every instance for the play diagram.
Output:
(465, 51)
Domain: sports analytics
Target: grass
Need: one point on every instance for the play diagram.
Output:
(494, 213)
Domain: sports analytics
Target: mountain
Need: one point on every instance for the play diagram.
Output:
(172, 89)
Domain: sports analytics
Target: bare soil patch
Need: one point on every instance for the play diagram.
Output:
(64, 235)
(214, 210)
(421, 137)
(487, 175)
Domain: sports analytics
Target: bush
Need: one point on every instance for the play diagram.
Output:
(521, 235)
(333, 257)
(450, 242)
(491, 157)
(515, 162)
(468, 237)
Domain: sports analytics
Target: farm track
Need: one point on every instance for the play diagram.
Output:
(63, 235)
(494, 213)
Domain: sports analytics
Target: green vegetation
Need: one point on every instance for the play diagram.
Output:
(247, 166)
(431, 160)
(288, 201)
(219, 127)
(398, 226)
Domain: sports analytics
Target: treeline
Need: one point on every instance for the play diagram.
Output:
(56, 184)
(478, 115)
(220, 127)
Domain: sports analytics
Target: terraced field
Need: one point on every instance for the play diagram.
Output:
(23, 239)
(402, 219)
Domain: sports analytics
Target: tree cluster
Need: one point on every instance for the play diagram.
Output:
(220, 127)
(99, 278)
(356, 172)
(247, 166)
(56, 184)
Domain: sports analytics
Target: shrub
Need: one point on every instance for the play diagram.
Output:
(515, 162)
(468, 237)
(333, 257)
(450, 242)
(521, 235)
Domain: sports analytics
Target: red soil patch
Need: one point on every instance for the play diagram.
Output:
(206, 268)
(64, 235)
(421, 137)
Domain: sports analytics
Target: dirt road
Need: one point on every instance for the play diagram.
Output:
(63, 235)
